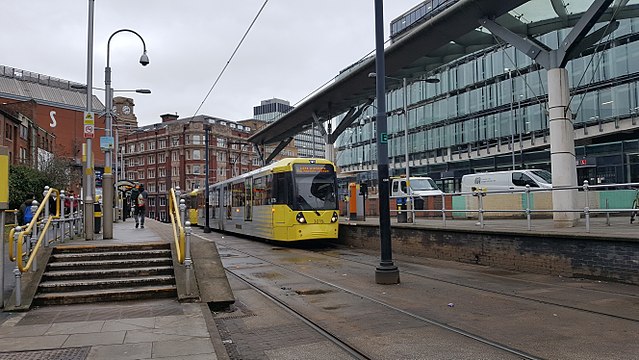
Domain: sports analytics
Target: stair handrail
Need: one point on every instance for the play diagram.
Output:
(178, 229)
(34, 222)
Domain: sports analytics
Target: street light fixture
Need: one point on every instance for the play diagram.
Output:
(407, 157)
(84, 87)
(107, 182)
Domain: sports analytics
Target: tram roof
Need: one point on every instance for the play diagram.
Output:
(448, 36)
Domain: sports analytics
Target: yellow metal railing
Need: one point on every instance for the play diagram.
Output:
(178, 230)
(34, 222)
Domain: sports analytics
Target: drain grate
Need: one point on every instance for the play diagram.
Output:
(76, 353)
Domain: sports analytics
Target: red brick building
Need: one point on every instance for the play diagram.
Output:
(173, 153)
(54, 107)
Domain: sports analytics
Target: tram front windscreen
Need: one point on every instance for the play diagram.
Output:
(315, 187)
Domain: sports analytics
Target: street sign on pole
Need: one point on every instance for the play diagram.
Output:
(89, 125)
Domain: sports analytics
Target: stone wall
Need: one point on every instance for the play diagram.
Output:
(598, 258)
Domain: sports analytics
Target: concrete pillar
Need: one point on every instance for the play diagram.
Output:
(562, 148)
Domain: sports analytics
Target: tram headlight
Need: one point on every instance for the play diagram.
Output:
(334, 217)
(300, 218)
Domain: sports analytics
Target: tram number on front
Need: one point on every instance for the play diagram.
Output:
(318, 221)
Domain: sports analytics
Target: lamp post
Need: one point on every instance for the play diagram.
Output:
(406, 146)
(108, 175)
(87, 183)
(207, 134)
(512, 132)
(386, 272)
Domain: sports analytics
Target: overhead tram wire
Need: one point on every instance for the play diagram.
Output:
(231, 58)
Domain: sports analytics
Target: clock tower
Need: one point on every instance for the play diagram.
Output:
(123, 109)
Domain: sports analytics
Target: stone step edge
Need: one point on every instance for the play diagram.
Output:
(89, 272)
(111, 253)
(95, 282)
(60, 249)
(107, 262)
(105, 292)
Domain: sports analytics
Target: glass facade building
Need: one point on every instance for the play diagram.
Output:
(489, 112)
(309, 143)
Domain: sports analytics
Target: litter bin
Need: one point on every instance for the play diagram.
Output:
(97, 214)
(402, 214)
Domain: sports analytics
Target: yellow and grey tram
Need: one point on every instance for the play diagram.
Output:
(290, 200)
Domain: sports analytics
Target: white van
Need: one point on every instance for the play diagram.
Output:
(419, 186)
(507, 180)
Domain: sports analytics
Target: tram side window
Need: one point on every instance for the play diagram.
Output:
(282, 188)
(237, 191)
(262, 190)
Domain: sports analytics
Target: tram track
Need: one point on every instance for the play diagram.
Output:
(502, 293)
(327, 334)
(426, 320)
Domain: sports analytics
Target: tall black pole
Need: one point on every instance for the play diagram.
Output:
(207, 133)
(386, 272)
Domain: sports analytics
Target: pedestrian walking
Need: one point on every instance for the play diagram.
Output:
(25, 215)
(140, 206)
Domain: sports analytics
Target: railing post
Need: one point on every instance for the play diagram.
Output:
(183, 212)
(187, 256)
(587, 206)
(528, 219)
(34, 232)
(607, 214)
(444, 209)
(18, 290)
(63, 216)
(46, 215)
(480, 196)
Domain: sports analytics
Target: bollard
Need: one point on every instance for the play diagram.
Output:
(187, 257)
(607, 214)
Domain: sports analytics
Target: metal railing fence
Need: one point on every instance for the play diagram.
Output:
(586, 192)
(44, 229)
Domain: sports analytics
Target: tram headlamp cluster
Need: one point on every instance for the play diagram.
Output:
(300, 218)
(334, 217)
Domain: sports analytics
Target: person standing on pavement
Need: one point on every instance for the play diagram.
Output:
(140, 206)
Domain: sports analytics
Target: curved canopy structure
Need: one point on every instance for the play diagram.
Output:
(449, 35)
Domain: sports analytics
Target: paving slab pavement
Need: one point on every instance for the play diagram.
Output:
(144, 329)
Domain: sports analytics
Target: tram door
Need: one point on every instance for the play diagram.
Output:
(248, 199)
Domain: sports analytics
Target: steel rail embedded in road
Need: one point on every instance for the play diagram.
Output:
(430, 321)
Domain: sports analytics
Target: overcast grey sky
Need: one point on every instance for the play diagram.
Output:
(294, 47)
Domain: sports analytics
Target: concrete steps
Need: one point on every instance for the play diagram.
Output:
(85, 274)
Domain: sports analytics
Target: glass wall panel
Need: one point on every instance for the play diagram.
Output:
(505, 125)
(452, 79)
(463, 106)
(476, 100)
(633, 53)
(621, 100)
(620, 64)
(488, 66)
(536, 115)
(505, 89)
(451, 110)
